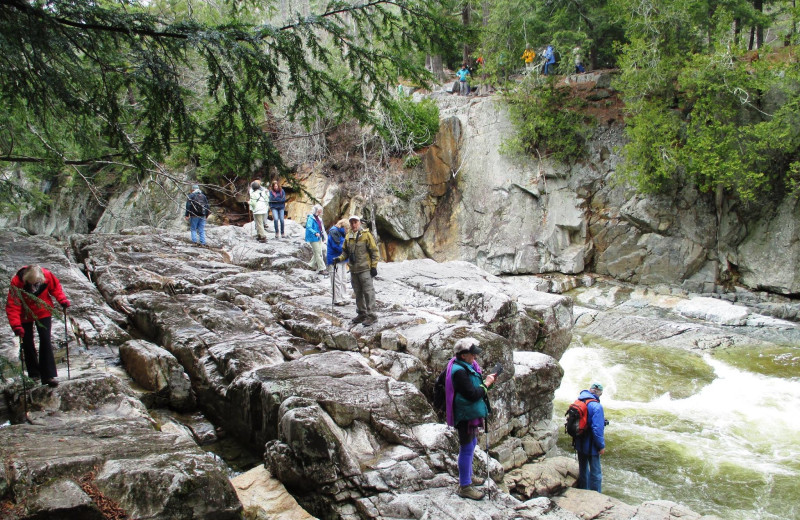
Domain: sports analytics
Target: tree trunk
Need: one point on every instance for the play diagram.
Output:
(758, 5)
(737, 30)
(465, 19)
(434, 64)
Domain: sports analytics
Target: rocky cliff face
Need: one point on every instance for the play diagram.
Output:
(521, 215)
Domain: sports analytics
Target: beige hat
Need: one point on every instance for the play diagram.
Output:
(466, 345)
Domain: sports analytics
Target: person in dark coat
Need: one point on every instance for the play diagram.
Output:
(197, 211)
(336, 236)
(29, 303)
(592, 444)
(466, 408)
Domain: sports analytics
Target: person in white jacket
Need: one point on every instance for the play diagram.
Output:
(259, 205)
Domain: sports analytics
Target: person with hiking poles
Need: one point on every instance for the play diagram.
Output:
(259, 205)
(336, 236)
(591, 444)
(29, 302)
(466, 409)
(361, 251)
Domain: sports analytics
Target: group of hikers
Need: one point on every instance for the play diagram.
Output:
(32, 289)
(546, 65)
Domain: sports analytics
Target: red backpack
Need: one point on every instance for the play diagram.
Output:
(577, 422)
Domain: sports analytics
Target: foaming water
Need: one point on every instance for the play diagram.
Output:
(731, 449)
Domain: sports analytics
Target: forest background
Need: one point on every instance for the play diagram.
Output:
(105, 93)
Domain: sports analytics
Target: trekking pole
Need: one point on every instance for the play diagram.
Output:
(66, 342)
(486, 482)
(24, 383)
(333, 286)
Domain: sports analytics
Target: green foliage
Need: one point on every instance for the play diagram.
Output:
(412, 161)
(124, 84)
(548, 121)
(407, 125)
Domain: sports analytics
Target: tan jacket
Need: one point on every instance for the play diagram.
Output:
(361, 250)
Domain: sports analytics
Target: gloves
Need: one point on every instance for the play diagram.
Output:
(19, 331)
(334, 261)
(65, 304)
(373, 272)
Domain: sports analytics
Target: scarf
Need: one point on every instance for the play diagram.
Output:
(450, 392)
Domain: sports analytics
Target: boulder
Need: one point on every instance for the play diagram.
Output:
(547, 477)
(264, 497)
(158, 371)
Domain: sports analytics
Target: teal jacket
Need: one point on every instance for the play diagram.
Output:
(466, 410)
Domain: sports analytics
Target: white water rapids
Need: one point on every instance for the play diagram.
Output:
(732, 448)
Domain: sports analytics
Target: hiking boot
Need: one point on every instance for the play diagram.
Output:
(369, 321)
(52, 383)
(359, 318)
(470, 492)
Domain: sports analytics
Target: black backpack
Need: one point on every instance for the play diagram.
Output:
(199, 205)
(439, 393)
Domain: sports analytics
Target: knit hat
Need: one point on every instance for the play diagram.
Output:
(195, 187)
(466, 346)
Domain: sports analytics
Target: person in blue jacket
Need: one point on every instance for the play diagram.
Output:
(592, 444)
(549, 59)
(465, 396)
(336, 236)
(315, 235)
(463, 80)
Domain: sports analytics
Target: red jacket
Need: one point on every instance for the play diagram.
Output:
(23, 306)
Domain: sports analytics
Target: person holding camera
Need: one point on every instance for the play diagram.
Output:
(29, 304)
(466, 408)
(592, 444)
(361, 251)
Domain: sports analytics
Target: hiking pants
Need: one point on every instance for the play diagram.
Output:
(365, 293)
(339, 282)
(198, 228)
(466, 452)
(45, 367)
(463, 88)
(317, 263)
(590, 473)
(260, 225)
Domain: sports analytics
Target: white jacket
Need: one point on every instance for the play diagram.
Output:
(259, 201)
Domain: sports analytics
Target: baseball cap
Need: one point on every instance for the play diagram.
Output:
(467, 345)
(597, 385)
(355, 217)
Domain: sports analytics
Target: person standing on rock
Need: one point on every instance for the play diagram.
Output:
(29, 302)
(336, 237)
(259, 205)
(315, 235)
(466, 408)
(277, 203)
(361, 251)
(463, 79)
(592, 444)
(197, 210)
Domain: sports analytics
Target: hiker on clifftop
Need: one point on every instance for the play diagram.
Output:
(592, 444)
(361, 251)
(30, 300)
(466, 408)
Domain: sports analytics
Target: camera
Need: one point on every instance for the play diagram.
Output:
(605, 422)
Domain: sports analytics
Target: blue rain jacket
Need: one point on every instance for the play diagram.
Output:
(594, 440)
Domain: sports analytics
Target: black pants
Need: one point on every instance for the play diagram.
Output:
(45, 367)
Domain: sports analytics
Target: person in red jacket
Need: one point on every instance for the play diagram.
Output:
(30, 300)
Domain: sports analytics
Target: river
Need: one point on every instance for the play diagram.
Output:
(715, 429)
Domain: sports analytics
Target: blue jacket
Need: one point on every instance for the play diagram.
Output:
(312, 228)
(549, 54)
(464, 407)
(277, 201)
(594, 440)
(335, 242)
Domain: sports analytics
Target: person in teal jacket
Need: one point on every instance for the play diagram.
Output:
(466, 409)
(315, 235)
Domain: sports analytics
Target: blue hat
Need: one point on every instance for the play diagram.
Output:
(597, 385)
(195, 187)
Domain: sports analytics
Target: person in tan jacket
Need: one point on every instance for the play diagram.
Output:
(361, 251)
